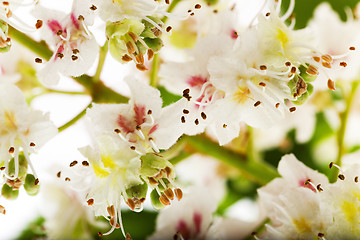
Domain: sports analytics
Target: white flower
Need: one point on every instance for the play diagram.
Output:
(336, 37)
(21, 129)
(142, 123)
(114, 170)
(75, 48)
(117, 10)
(66, 217)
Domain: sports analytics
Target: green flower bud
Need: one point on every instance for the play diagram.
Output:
(8, 192)
(4, 45)
(31, 185)
(23, 166)
(154, 43)
(138, 191)
(152, 164)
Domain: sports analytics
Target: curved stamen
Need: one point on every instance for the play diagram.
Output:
(289, 11)
(156, 25)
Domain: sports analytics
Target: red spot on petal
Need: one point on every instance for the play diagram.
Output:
(139, 114)
(196, 81)
(197, 218)
(125, 125)
(153, 129)
(183, 229)
(234, 34)
(309, 186)
(75, 21)
(60, 50)
(54, 26)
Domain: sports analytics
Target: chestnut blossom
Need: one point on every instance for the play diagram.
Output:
(75, 48)
(142, 124)
(23, 131)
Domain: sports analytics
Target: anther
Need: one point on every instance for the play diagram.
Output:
(100, 234)
(152, 181)
(178, 193)
(164, 200)
(75, 51)
(130, 203)
(185, 111)
(132, 147)
(149, 112)
(138, 127)
(288, 64)
(60, 55)
(167, 1)
(341, 177)
(321, 235)
(196, 121)
(316, 59)
(2, 210)
(139, 58)
(85, 163)
(257, 103)
(168, 29)
(203, 115)
(32, 144)
(331, 165)
(38, 24)
(38, 60)
(293, 70)
(117, 130)
(59, 32)
(90, 201)
(186, 91)
(111, 210)
(67, 179)
(183, 119)
(74, 58)
(128, 236)
(141, 67)
(2, 168)
(277, 105)
(356, 179)
(169, 194)
(352, 48)
(36, 181)
(292, 109)
(11, 150)
(197, 6)
(93, 7)
(81, 18)
(150, 54)
(168, 171)
(326, 64)
(263, 67)
(58, 174)
(267, 14)
(319, 188)
(327, 58)
(126, 58)
(73, 163)
(331, 85)
(224, 125)
(262, 84)
(343, 64)
(312, 70)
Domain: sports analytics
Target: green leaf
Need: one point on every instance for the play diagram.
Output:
(167, 97)
(34, 230)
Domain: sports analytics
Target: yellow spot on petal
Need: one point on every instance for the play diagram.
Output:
(282, 37)
(99, 171)
(241, 94)
(108, 161)
(302, 225)
(10, 121)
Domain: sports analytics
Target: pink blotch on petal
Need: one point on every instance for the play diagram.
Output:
(54, 26)
(139, 114)
(153, 129)
(183, 229)
(309, 186)
(234, 34)
(125, 124)
(196, 81)
(75, 21)
(60, 50)
(197, 218)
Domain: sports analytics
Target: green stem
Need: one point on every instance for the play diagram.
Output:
(170, 9)
(154, 71)
(181, 156)
(65, 92)
(74, 120)
(341, 133)
(258, 172)
(40, 48)
(102, 56)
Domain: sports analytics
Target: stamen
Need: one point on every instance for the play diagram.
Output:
(319, 188)
(292, 109)
(2, 210)
(169, 194)
(257, 103)
(140, 134)
(178, 193)
(356, 179)
(153, 145)
(164, 200)
(331, 85)
(308, 182)
(58, 174)
(73, 163)
(90, 201)
(85, 163)
(203, 115)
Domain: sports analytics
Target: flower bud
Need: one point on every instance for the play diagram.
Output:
(23, 166)
(155, 200)
(138, 191)
(9, 193)
(31, 185)
(150, 30)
